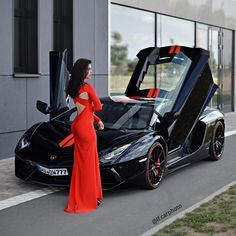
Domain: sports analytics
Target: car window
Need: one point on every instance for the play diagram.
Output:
(118, 115)
(169, 74)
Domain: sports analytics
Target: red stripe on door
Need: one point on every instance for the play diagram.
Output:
(156, 92)
(172, 49)
(177, 49)
(150, 92)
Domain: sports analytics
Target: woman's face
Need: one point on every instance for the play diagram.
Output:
(89, 72)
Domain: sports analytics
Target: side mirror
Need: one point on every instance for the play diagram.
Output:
(43, 107)
(169, 117)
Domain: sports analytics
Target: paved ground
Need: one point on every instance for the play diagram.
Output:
(125, 211)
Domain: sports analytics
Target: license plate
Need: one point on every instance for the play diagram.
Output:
(53, 172)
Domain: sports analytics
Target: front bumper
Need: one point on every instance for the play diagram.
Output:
(111, 176)
(27, 170)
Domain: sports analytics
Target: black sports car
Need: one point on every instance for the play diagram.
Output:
(160, 124)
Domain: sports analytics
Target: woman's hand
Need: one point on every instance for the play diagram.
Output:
(100, 125)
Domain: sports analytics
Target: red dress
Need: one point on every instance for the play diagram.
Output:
(85, 186)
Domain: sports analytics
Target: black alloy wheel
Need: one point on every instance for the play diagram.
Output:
(155, 166)
(217, 143)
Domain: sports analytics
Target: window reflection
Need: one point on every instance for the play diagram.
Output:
(219, 43)
(171, 30)
(131, 30)
(202, 36)
(214, 63)
(227, 93)
(207, 38)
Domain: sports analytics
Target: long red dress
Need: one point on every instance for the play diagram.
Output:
(85, 186)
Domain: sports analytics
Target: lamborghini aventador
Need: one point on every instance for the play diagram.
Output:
(161, 123)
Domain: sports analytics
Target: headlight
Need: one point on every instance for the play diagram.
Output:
(116, 152)
(23, 143)
(139, 149)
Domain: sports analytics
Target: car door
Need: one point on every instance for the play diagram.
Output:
(186, 86)
(59, 77)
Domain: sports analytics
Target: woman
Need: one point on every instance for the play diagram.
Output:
(85, 187)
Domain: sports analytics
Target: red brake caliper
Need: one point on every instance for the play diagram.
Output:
(158, 165)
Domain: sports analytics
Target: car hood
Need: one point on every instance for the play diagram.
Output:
(109, 139)
(45, 139)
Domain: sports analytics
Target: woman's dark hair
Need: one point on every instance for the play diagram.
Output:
(78, 74)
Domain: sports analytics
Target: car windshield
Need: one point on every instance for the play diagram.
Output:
(117, 115)
(167, 75)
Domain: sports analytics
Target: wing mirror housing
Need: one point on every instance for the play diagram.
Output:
(169, 117)
(165, 122)
(43, 107)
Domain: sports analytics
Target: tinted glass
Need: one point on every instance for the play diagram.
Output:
(25, 36)
(125, 115)
(62, 81)
(170, 74)
(62, 28)
(121, 115)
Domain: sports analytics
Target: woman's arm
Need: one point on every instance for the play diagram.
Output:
(96, 118)
(97, 106)
(99, 121)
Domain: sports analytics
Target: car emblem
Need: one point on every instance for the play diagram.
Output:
(53, 157)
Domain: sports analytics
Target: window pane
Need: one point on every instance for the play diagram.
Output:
(31, 5)
(32, 45)
(17, 51)
(25, 36)
(150, 78)
(214, 63)
(172, 30)
(67, 8)
(62, 24)
(227, 70)
(207, 38)
(202, 36)
(170, 74)
(17, 4)
(131, 31)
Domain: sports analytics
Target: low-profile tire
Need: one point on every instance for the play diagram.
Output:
(155, 167)
(217, 142)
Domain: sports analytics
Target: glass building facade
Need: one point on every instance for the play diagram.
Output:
(133, 29)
